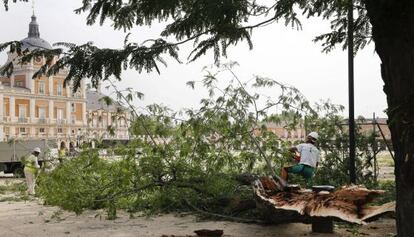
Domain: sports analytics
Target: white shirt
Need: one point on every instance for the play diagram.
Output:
(309, 154)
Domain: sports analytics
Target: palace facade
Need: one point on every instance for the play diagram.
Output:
(43, 108)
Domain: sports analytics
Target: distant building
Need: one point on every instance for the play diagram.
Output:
(287, 134)
(367, 126)
(43, 108)
(109, 122)
(299, 133)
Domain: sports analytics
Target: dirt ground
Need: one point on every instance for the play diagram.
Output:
(31, 218)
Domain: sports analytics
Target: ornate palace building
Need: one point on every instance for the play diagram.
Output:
(101, 116)
(43, 108)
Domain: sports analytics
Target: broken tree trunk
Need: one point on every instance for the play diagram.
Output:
(349, 204)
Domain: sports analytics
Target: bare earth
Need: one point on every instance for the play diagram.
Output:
(33, 219)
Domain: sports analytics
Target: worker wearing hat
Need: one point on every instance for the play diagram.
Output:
(309, 158)
(31, 166)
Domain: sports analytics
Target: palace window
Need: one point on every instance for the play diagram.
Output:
(60, 114)
(22, 111)
(59, 89)
(41, 87)
(18, 84)
(42, 113)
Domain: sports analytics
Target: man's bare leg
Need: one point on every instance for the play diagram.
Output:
(284, 173)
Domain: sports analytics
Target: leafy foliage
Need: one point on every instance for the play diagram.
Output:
(6, 3)
(334, 144)
(210, 25)
(193, 160)
(179, 160)
(390, 193)
(87, 61)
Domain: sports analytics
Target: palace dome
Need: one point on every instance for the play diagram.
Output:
(33, 40)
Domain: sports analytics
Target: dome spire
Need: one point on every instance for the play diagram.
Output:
(33, 41)
(33, 26)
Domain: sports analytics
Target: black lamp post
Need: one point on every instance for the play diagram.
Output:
(351, 120)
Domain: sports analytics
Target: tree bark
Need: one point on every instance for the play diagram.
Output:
(349, 204)
(393, 33)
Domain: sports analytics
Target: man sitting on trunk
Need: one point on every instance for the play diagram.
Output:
(309, 158)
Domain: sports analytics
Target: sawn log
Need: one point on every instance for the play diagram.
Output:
(349, 203)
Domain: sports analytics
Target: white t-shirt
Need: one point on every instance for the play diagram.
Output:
(309, 154)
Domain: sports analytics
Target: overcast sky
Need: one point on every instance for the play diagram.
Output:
(279, 52)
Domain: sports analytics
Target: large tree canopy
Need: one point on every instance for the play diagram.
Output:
(210, 25)
(216, 25)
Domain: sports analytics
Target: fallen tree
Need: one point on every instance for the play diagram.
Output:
(194, 164)
(349, 203)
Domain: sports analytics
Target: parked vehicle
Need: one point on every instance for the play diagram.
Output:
(12, 152)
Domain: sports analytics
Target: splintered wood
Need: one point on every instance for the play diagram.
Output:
(349, 204)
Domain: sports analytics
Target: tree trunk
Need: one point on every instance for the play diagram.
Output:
(393, 33)
(349, 204)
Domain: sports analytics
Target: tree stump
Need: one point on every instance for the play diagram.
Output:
(322, 224)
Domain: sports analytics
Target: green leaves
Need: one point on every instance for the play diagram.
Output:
(6, 3)
(190, 84)
(88, 61)
(336, 12)
(195, 155)
(107, 100)
(192, 158)
(210, 25)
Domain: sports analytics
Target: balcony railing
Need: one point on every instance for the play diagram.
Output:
(42, 120)
(60, 121)
(77, 95)
(22, 120)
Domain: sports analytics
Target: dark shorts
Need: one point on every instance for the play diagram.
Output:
(304, 170)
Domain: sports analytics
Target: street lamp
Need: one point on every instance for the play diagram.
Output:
(351, 120)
